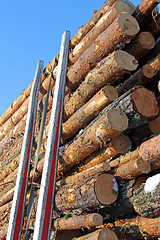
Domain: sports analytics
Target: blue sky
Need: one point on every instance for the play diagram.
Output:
(31, 31)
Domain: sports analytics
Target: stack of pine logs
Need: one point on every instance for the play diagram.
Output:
(110, 132)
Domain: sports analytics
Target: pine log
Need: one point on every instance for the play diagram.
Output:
(97, 169)
(146, 204)
(136, 228)
(106, 127)
(90, 24)
(141, 45)
(133, 168)
(88, 111)
(155, 64)
(7, 197)
(89, 193)
(154, 125)
(154, 25)
(102, 234)
(118, 145)
(123, 28)
(141, 77)
(78, 222)
(67, 234)
(104, 22)
(108, 70)
(144, 9)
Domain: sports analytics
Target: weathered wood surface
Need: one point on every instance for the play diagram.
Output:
(154, 25)
(123, 28)
(109, 70)
(87, 194)
(78, 222)
(144, 9)
(104, 22)
(154, 125)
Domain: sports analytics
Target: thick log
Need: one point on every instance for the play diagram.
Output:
(123, 28)
(78, 222)
(102, 234)
(146, 204)
(104, 22)
(136, 228)
(118, 145)
(141, 77)
(88, 112)
(144, 9)
(78, 177)
(141, 45)
(109, 70)
(155, 64)
(154, 125)
(89, 193)
(106, 127)
(90, 24)
(67, 234)
(133, 168)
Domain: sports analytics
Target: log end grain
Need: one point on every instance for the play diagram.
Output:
(122, 7)
(110, 93)
(148, 71)
(107, 234)
(146, 40)
(145, 102)
(144, 166)
(139, 181)
(126, 60)
(117, 119)
(106, 189)
(121, 144)
(131, 5)
(128, 24)
(154, 125)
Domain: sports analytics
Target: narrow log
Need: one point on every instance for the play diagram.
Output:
(109, 70)
(78, 222)
(102, 167)
(102, 234)
(90, 24)
(144, 9)
(141, 77)
(123, 28)
(146, 204)
(118, 145)
(88, 112)
(106, 127)
(104, 22)
(136, 228)
(89, 193)
(154, 125)
(154, 25)
(133, 168)
(155, 64)
(141, 45)
(7, 197)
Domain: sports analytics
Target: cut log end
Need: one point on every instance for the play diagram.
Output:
(107, 234)
(121, 144)
(139, 181)
(145, 102)
(122, 7)
(147, 40)
(106, 189)
(128, 24)
(144, 166)
(97, 219)
(126, 60)
(110, 93)
(148, 71)
(117, 119)
(106, 166)
(154, 125)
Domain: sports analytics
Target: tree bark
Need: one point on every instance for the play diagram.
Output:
(141, 77)
(155, 64)
(136, 228)
(154, 25)
(90, 24)
(78, 177)
(88, 112)
(108, 70)
(89, 193)
(102, 234)
(78, 222)
(146, 204)
(123, 28)
(104, 22)
(144, 9)
(7, 197)
(141, 45)
(106, 127)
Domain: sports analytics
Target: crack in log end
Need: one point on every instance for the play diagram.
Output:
(128, 24)
(125, 60)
